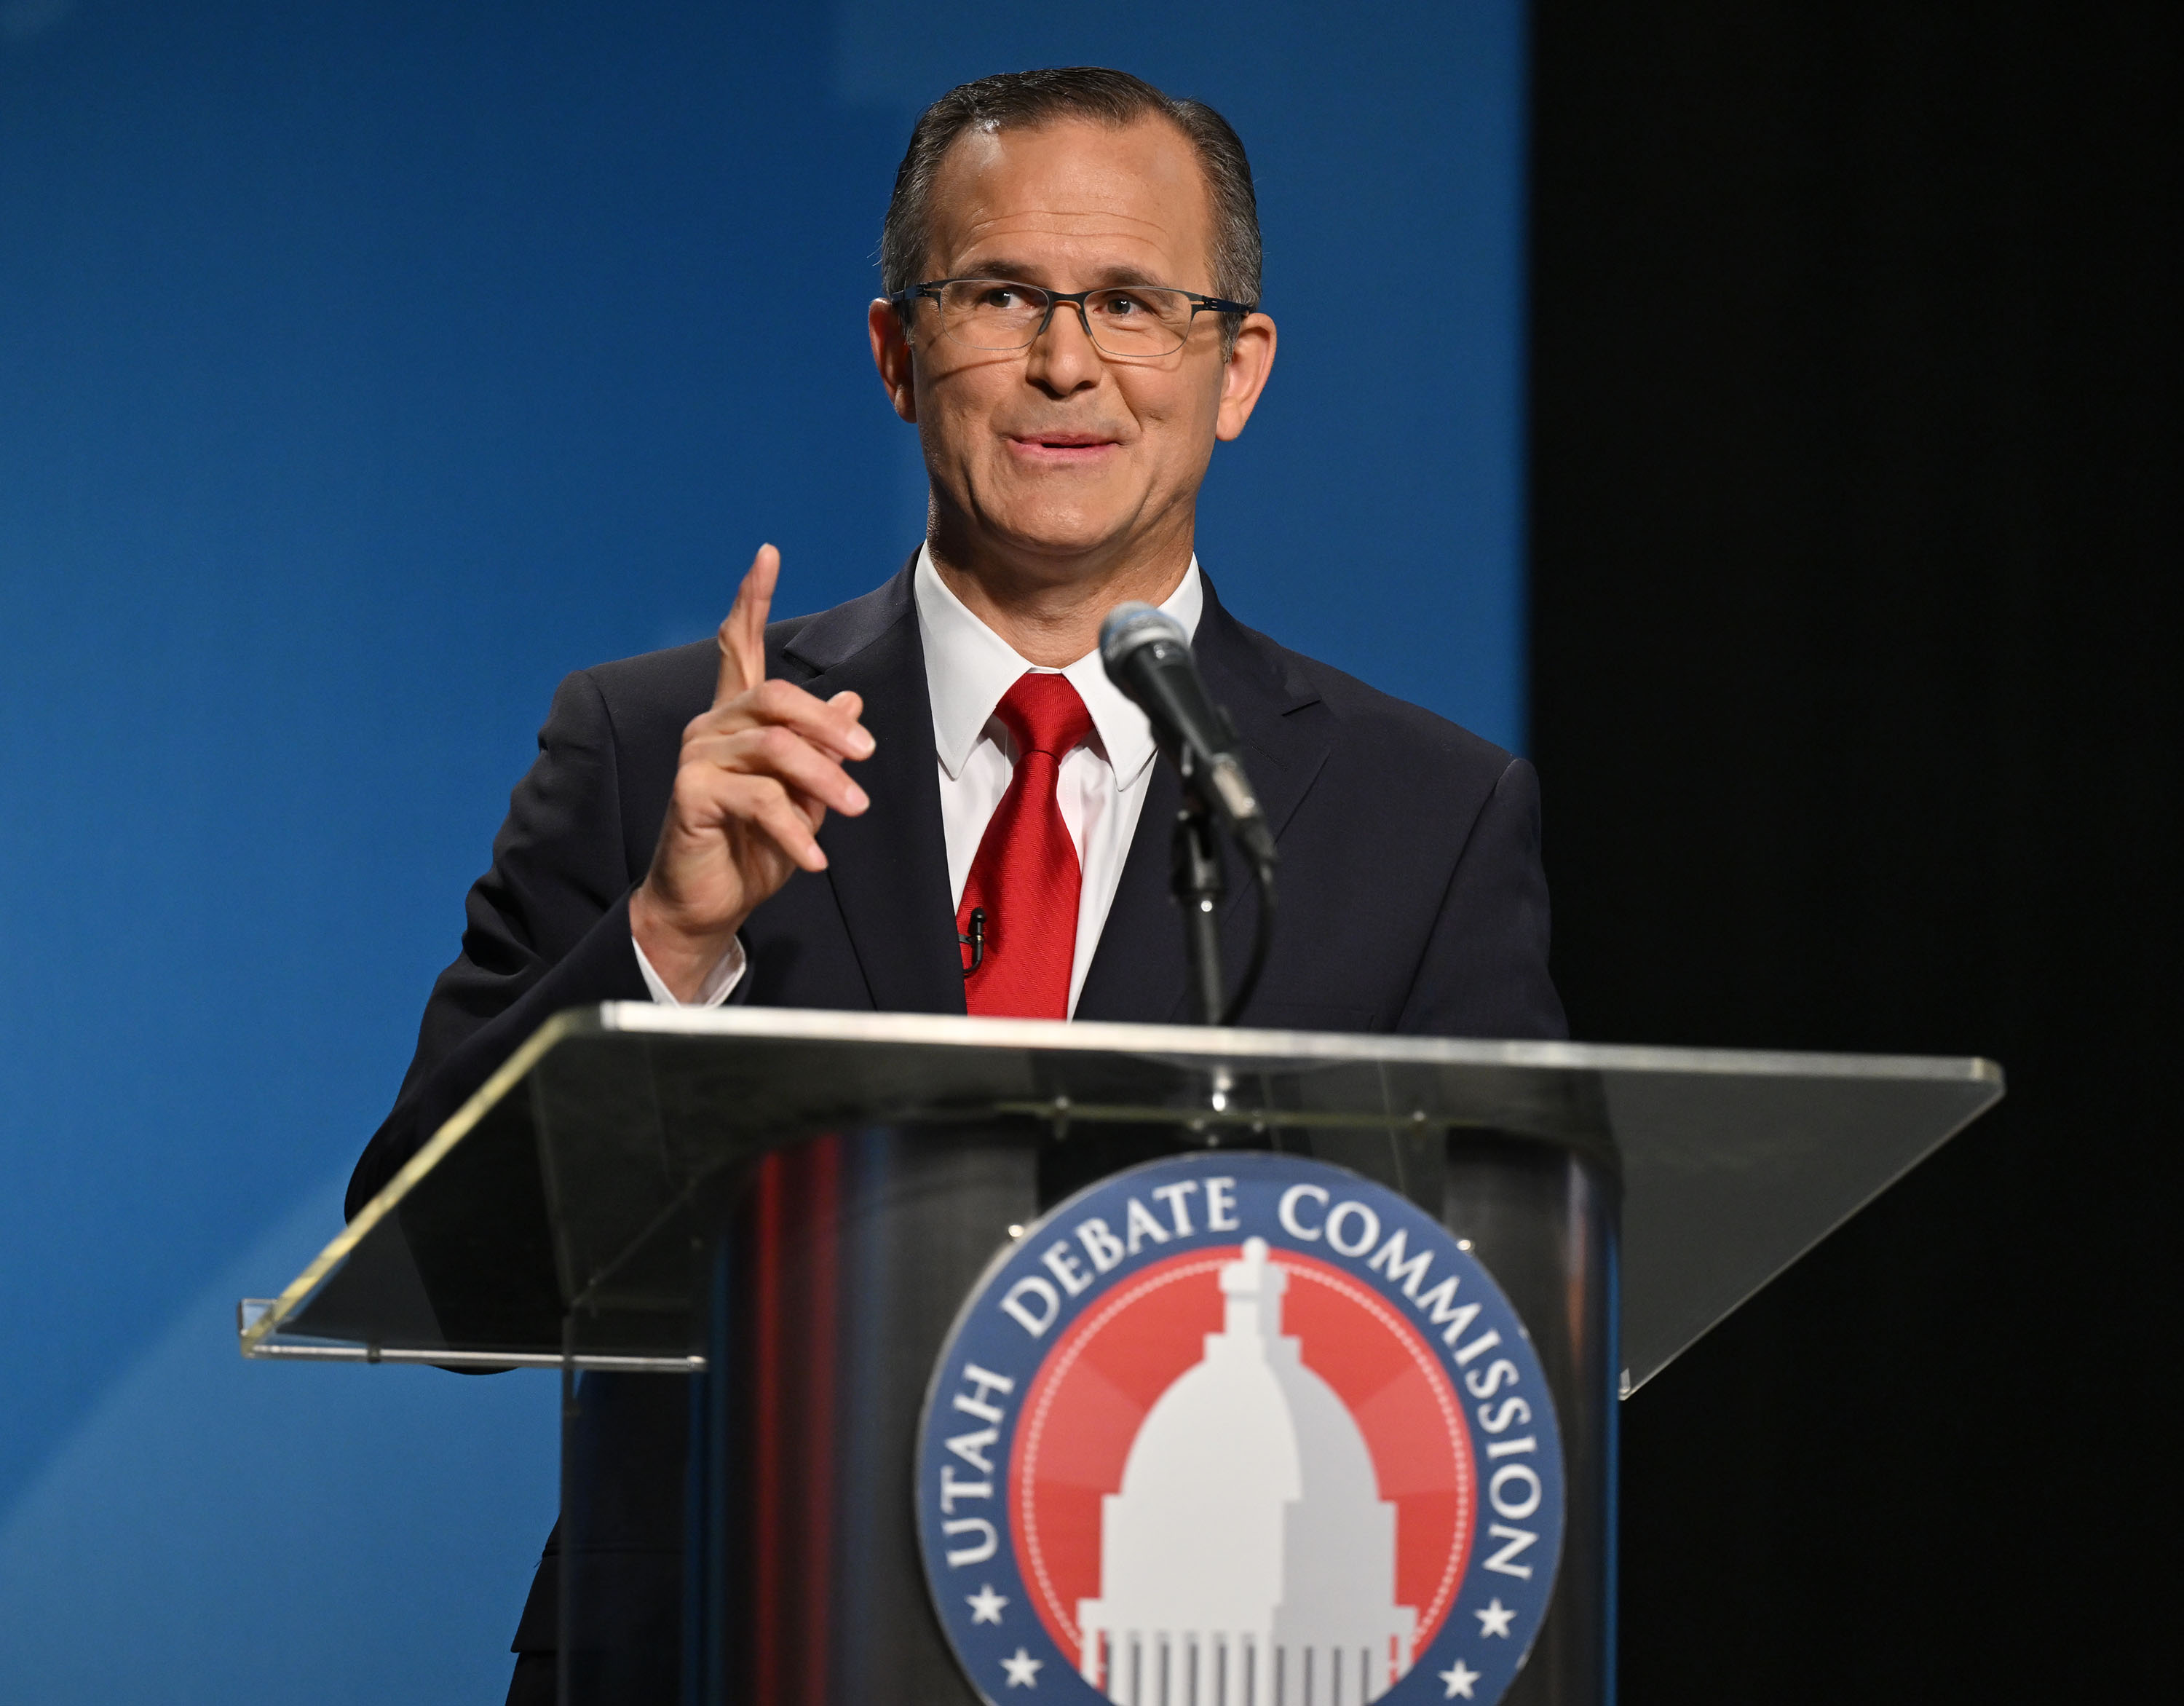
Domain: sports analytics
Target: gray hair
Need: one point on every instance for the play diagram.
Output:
(1029, 99)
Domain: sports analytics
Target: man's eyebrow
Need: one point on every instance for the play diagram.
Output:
(1026, 272)
(1023, 272)
(1130, 275)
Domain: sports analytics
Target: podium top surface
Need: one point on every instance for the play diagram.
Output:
(1207, 1044)
(1734, 1164)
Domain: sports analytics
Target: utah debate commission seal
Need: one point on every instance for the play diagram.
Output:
(1240, 1430)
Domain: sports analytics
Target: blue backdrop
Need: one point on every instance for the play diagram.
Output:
(362, 370)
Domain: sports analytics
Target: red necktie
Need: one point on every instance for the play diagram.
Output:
(1026, 877)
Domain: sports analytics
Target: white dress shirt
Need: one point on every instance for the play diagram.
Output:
(1101, 788)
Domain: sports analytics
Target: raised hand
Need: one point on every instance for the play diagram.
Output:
(759, 773)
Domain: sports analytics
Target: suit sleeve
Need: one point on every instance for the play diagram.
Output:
(547, 927)
(1485, 970)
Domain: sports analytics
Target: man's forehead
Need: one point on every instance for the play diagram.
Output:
(1074, 183)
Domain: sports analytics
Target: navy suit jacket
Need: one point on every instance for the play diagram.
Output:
(1412, 895)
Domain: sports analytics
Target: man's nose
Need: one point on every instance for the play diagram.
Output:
(1063, 357)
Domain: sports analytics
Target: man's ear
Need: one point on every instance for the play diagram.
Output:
(1244, 375)
(891, 354)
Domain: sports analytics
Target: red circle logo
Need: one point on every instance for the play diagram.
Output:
(1147, 1412)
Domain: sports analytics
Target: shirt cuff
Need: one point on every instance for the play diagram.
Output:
(719, 983)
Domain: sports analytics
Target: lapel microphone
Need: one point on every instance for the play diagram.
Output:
(1147, 656)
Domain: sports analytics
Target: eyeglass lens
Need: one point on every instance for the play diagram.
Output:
(1127, 320)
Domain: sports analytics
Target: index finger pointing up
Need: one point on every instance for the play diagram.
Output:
(741, 636)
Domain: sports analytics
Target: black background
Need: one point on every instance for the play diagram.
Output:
(1855, 524)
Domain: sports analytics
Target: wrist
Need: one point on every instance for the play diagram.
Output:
(684, 956)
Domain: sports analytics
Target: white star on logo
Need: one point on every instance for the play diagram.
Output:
(986, 1604)
(1495, 1619)
(1459, 1679)
(1023, 1670)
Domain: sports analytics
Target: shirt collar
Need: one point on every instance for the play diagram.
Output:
(968, 667)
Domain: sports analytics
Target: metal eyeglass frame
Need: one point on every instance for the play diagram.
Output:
(906, 300)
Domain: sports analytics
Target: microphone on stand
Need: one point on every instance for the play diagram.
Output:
(1147, 654)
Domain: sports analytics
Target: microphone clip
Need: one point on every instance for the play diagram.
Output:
(976, 941)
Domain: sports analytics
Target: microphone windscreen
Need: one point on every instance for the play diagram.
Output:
(1132, 625)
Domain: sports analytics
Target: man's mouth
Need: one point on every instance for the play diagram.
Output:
(1063, 448)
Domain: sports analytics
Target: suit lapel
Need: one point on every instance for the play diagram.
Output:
(889, 868)
(1137, 970)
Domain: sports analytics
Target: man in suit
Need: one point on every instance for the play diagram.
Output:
(823, 813)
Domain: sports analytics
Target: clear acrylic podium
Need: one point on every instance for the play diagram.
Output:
(788, 1209)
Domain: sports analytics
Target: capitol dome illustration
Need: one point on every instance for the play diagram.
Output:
(1249, 1559)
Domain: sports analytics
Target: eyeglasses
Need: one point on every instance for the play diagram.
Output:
(1122, 320)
